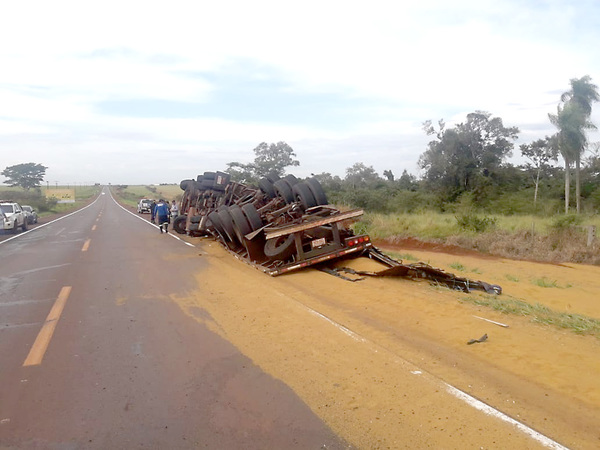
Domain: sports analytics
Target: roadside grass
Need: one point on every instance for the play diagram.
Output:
(44, 207)
(545, 282)
(131, 195)
(458, 266)
(576, 323)
(552, 238)
(402, 256)
(512, 278)
(434, 225)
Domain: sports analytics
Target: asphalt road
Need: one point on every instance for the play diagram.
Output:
(94, 355)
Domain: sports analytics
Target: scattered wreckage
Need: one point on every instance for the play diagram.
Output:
(286, 224)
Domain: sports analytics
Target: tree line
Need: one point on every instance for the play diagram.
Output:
(468, 163)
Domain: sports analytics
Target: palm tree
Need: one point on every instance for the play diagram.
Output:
(572, 120)
(569, 140)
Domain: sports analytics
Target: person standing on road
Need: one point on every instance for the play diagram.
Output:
(174, 210)
(161, 211)
(152, 213)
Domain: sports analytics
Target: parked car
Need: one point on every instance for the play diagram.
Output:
(14, 217)
(145, 206)
(32, 216)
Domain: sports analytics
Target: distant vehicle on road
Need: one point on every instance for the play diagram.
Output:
(144, 206)
(31, 214)
(14, 217)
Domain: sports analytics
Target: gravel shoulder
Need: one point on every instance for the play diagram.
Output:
(374, 358)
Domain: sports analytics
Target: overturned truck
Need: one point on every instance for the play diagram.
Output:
(285, 224)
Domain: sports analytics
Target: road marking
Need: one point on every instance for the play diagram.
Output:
(146, 221)
(39, 347)
(86, 245)
(94, 228)
(457, 393)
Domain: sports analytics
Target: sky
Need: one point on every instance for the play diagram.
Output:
(145, 92)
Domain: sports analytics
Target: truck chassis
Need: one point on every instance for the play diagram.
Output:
(285, 224)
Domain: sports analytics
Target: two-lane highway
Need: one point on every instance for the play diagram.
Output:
(95, 354)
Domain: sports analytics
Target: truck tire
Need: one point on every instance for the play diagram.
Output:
(317, 191)
(179, 224)
(240, 223)
(280, 248)
(272, 177)
(253, 217)
(227, 223)
(284, 190)
(195, 219)
(185, 184)
(291, 179)
(215, 222)
(304, 195)
(267, 187)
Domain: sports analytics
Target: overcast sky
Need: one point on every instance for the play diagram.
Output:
(148, 92)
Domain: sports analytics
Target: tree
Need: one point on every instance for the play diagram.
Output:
(389, 175)
(407, 181)
(270, 159)
(572, 121)
(540, 152)
(360, 175)
(27, 175)
(460, 159)
(328, 181)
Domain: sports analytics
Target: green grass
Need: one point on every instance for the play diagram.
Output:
(402, 256)
(131, 195)
(458, 266)
(538, 313)
(513, 278)
(433, 225)
(545, 282)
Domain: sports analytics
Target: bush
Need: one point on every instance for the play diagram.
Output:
(471, 222)
(565, 222)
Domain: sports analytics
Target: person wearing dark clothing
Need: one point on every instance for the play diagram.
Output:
(152, 214)
(161, 211)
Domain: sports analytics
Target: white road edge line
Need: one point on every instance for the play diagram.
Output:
(145, 221)
(490, 411)
(470, 400)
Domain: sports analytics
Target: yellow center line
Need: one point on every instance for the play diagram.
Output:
(39, 347)
(86, 245)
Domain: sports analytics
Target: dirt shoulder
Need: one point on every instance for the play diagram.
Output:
(375, 358)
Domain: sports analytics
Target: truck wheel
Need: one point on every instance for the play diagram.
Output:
(216, 224)
(304, 195)
(227, 223)
(195, 219)
(185, 183)
(253, 217)
(291, 179)
(179, 224)
(317, 191)
(267, 187)
(284, 190)
(280, 248)
(240, 223)
(272, 177)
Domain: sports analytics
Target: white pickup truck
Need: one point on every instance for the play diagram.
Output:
(12, 216)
